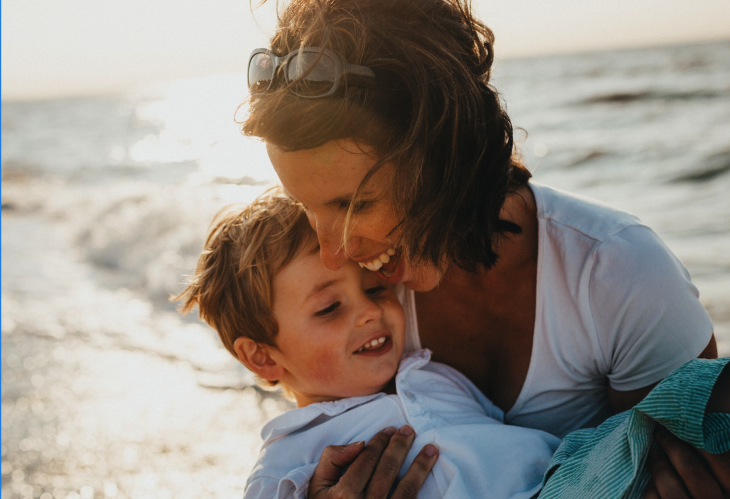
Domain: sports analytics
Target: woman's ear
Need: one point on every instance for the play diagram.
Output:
(257, 359)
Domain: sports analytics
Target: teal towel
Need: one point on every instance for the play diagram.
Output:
(608, 461)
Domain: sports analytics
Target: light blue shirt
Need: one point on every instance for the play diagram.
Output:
(479, 456)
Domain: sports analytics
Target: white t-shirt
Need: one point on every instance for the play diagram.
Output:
(614, 306)
(479, 456)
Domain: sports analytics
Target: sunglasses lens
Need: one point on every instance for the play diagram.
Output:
(311, 74)
(260, 73)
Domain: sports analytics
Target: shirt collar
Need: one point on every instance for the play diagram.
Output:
(292, 421)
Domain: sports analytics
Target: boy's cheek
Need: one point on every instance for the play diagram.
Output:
(395, 320)
(324, 369)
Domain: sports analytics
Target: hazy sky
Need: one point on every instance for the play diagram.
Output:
(70, 47)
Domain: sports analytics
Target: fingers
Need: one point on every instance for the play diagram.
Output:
(415, 476)
(334, 459)
(390, 462)
(686, 466)
(375, 466)
(720, 466)
(665, 480)
(720, 396)
(650, 492)
(361, 470)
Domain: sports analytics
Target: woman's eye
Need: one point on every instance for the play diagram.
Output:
(358, 207)
(328, 310)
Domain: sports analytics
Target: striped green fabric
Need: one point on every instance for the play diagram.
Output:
(608, 462)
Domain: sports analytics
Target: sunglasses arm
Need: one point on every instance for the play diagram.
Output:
(359, 75)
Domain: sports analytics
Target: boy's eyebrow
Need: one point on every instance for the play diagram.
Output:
(321, 286)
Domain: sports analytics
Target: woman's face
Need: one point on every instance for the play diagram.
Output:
(323, 180)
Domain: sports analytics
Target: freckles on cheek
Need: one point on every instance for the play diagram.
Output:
(324, 368)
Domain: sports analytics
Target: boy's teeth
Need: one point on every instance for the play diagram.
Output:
(384, 258)
(372, 344)
(390, 252)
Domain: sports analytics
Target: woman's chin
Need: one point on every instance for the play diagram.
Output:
(421, 279)
(422, 284)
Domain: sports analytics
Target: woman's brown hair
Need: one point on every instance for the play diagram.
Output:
(433, 115)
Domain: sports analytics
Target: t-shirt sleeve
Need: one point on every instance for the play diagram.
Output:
(647, 313)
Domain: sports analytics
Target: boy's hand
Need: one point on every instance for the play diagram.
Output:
(372, 469)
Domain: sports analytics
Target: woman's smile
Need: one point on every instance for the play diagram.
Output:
(380, 261)
(324, 180)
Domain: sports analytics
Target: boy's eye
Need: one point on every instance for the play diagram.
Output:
(375, 290)
(328, 310)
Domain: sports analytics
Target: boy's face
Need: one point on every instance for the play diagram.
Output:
(341, 332)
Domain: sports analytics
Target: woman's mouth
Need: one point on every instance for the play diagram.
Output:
(376, 346)
(379, 262)
(386, 265)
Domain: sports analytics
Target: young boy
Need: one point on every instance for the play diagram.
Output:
(334, 341)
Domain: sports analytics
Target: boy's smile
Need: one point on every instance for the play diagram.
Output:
(341, 332)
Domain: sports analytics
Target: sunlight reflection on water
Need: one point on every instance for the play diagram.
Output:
(110, 407)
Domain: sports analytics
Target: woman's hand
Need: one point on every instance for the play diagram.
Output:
(372, 468)
(680, 471)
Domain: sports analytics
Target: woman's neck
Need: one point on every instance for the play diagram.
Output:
(483, 323)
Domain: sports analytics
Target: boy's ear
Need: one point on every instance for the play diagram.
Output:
(257, 359)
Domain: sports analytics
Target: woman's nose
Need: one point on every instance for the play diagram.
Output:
(331, 251)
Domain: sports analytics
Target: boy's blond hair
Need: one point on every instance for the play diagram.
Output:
(247, 246)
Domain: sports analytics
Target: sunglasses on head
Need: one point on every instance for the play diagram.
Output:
(309, 72)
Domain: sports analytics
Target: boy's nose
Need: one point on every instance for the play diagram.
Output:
(370, 312)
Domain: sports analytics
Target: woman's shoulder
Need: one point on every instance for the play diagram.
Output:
(613, 249)
(581, 215)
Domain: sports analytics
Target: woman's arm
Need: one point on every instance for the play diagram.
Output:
(623, 401)
(681, 471)
(371, 470)
(676, 467)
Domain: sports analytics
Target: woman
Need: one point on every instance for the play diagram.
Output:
(379, 119)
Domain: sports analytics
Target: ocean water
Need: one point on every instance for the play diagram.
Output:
(108, 392)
